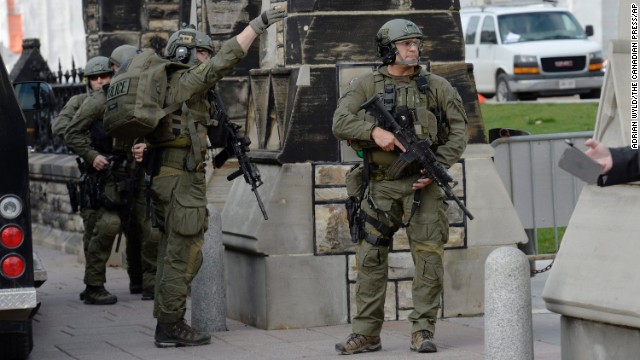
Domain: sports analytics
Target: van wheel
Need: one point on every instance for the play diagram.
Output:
(593, 94)
(527, 96)
(503, 93)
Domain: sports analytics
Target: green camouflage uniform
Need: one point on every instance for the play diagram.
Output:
(108, 225)
(179, 189)
(429, 229)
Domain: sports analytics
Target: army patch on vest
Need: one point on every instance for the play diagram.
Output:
(119, 88)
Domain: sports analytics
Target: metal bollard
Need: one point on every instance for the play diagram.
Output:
(508, 327)
(208, 296)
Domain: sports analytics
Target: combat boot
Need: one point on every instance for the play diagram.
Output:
(422, 342)
(135, 288)
(98, 295)
(147, 295)
(179, 334)
(357, 343)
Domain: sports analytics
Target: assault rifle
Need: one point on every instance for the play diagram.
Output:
(416, 149)
(238, 147)
(133, 171)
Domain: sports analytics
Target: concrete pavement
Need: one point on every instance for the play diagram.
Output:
(66, 329)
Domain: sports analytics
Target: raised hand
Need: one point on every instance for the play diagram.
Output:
(267, 18)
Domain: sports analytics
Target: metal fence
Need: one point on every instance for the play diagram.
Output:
(543, 195)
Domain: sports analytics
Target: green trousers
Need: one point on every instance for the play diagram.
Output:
(179, 199)
(89, 217)
(105, 232)
(428, 232)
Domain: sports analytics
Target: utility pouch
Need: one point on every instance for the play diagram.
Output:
(404, 117)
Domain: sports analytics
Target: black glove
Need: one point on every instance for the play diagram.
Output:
(267, 18)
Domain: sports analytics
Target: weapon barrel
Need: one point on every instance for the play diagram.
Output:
(260, 204)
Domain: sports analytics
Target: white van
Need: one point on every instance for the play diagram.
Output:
(525, 52)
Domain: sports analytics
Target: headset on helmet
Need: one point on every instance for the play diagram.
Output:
(97, 65)
(392, 31)
(182, 42)
(122, 53)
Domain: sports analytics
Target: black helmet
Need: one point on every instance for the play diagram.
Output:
(392, 31)
(181, 43)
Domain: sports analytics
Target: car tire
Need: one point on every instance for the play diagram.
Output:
(593, 94)
(528, 96)
(503, 92)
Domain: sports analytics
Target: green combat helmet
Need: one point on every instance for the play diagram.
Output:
(96, 66)
(182, 43)
(121, 54)
(392, 31)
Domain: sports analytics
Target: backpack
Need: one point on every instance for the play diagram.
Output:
(136, 96)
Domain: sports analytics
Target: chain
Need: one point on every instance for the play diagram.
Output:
(547, 268)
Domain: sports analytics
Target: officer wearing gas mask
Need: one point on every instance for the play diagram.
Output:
(178, 145)
(397, 195)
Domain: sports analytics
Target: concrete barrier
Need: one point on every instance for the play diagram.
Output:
(508, 326)
(208, 296)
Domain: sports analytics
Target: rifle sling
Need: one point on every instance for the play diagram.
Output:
(381, 227)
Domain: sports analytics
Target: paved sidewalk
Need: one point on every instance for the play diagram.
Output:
(65, 328)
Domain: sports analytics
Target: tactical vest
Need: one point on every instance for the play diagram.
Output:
(174, 130)
(184, 128)
(416, 103)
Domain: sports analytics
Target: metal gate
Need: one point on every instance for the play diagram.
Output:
(543, 195)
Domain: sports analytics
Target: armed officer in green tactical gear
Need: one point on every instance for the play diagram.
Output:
(108, 160)
(396, 194)
(179, 144)
(96, 77)
(142, 248)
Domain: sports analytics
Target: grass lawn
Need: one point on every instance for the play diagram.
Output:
(540, 118)
(537, 119)
(546, 240)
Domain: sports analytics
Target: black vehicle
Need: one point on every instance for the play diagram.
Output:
(20, 274)
(39, 106)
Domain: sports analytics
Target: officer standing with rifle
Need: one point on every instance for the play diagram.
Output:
(95, 81)
(179, 144)
(394, 187)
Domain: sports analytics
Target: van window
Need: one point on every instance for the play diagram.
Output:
(537, 26)
(488, 33)
(472, 26)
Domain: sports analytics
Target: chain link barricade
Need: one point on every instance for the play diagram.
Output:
(542, 257)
